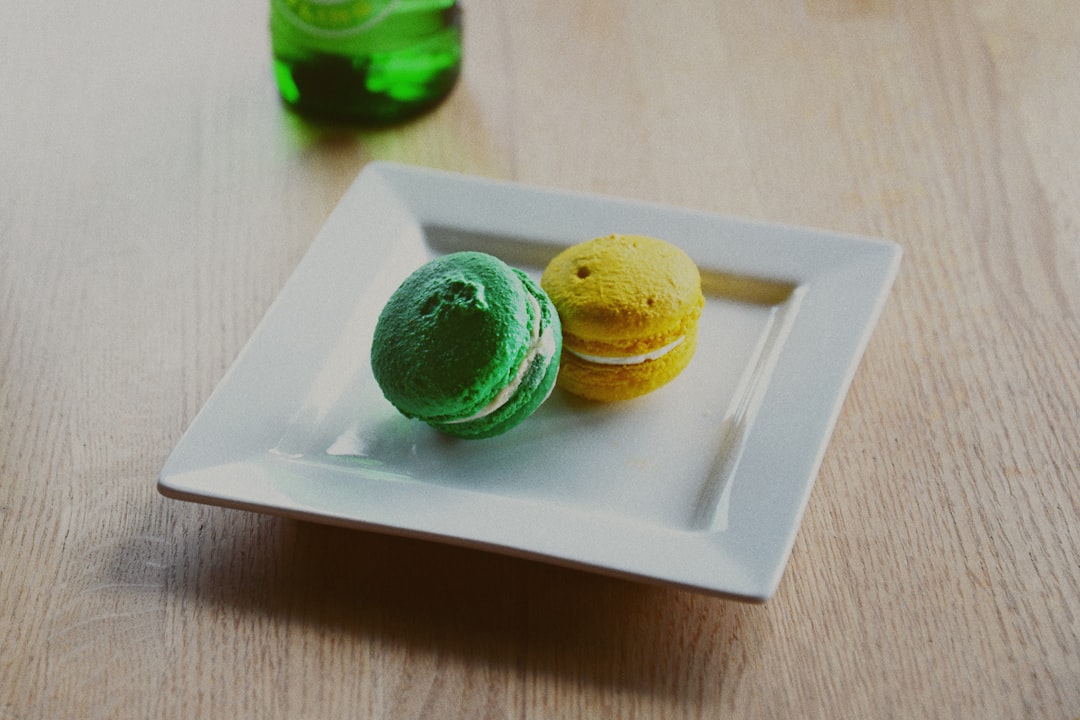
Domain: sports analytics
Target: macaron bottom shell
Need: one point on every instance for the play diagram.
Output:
(609, 383)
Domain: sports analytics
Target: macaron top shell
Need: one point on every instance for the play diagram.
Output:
(624, 295)
(452, 336)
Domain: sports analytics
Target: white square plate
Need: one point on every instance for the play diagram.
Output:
(701, 484)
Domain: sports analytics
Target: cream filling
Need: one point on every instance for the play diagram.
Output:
(540, 345)
(630, 359)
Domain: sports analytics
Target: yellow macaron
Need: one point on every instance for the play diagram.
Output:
(629, 307)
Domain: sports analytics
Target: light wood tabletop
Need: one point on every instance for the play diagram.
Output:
(155, 197)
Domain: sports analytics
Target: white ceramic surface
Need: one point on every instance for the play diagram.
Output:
(701, 484)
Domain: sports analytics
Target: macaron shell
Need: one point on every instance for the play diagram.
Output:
(609, 383)
(631, 292)
(451, 337)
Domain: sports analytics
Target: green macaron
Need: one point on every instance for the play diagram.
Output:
(468, 345)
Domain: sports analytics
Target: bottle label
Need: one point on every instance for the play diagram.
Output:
(334, 17)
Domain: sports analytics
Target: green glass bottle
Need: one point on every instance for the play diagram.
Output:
(365, 61)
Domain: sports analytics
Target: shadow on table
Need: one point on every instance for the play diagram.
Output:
(504, 612)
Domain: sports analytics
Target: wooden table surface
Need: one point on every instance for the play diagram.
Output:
(154, 198)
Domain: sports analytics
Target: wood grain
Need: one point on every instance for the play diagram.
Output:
(154, 198)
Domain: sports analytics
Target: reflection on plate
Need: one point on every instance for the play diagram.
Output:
(701, 484)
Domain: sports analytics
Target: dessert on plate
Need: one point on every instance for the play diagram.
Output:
(467, 344)
(629, 307)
